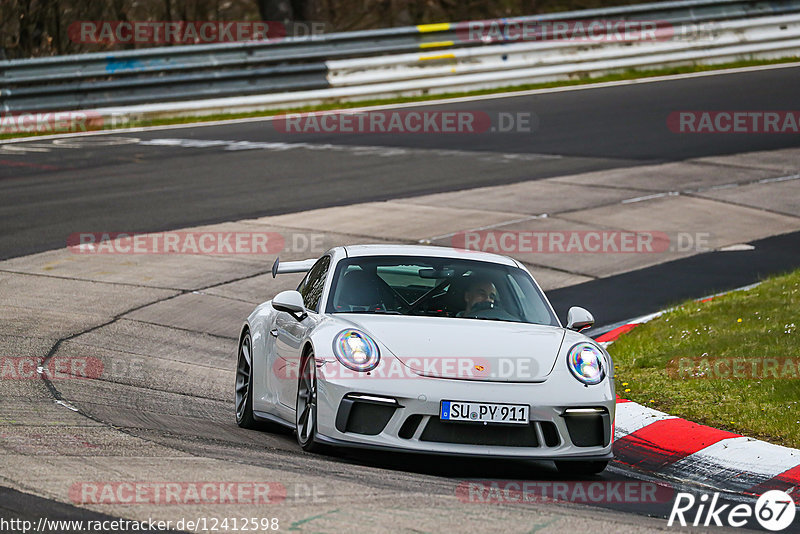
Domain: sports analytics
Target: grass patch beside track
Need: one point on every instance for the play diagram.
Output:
(621, 76)
(741, 361)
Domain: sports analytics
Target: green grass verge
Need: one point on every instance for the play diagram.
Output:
(621, 76)
(732, 363)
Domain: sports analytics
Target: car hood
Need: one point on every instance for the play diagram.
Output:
(467, 349)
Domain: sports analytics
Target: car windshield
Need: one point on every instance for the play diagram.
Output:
(439, 287)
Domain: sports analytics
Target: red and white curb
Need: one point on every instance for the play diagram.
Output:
(657, 443)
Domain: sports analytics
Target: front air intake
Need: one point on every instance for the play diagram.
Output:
(364, 414)
(588, 427)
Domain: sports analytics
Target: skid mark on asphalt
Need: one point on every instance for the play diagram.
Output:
(41, 166)
(356, 150)
(296, 524)
(540, 526)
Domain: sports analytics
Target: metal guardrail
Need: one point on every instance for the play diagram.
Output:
(533, 61)
(385, 61)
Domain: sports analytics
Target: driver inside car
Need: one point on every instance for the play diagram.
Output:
(479, 291)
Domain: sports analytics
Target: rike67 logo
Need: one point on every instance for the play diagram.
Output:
(774, 510)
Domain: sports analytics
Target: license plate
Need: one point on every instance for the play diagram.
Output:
(483, 412)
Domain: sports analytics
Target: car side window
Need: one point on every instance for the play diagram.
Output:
(312, 286)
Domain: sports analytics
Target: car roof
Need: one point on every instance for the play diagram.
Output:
(423, 250)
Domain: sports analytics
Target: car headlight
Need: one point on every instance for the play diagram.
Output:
(586, 363)
(356, 350)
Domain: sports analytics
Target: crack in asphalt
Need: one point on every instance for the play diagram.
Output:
(89, 280)
(181, 328)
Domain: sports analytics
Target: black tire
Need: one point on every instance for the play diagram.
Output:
(583, 467)
(306, 406)
(243, 398)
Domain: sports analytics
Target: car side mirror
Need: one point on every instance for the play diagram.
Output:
(579, 319)
(290, 302)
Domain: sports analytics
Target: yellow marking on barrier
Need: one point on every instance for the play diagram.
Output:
(438, 56)
(438, 27)
(436, 44)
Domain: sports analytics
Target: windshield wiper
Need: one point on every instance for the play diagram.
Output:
(494, 319)
(388, 312)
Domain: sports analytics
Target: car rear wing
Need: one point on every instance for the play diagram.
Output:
(291, 266)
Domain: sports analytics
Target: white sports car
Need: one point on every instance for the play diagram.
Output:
(430, 350)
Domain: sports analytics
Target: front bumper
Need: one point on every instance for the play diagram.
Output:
(413, 424)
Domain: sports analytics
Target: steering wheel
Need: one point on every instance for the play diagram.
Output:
(489, 310)
(482, 306)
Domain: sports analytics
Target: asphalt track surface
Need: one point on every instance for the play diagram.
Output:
(133, 187)
(51, 189)
(661, 286)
